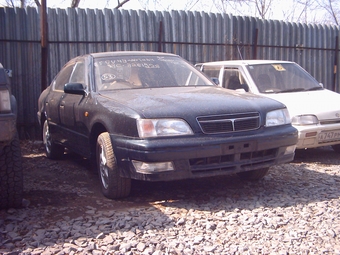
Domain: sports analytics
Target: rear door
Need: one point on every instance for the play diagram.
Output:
(54, 97)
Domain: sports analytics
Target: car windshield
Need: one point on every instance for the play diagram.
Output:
(282, 78)
(133, 72)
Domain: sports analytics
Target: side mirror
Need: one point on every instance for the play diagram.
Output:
(245, 87)
(215, 80)
(321, 85)
(74, 88)
(9, 72)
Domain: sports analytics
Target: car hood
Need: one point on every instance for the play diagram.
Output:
(322, 103)
(184, 101)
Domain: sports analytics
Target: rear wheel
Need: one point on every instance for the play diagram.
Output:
(253, 175)
(336, 148)
(52, 150)
(112, 184)
(11, 177)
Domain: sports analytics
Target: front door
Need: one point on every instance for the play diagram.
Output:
(71, 113)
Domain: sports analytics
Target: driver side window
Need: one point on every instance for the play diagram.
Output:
(63, 77)
(78, 74)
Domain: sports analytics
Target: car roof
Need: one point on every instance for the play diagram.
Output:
(129, 53)
(245, 62)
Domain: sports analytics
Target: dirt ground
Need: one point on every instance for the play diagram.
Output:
(72, 183)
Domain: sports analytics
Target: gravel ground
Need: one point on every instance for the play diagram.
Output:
(295, 209)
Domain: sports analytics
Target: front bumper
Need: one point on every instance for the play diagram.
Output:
(7, 128)
(315, 135)
(203, 156)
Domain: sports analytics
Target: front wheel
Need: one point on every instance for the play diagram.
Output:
(112, 184)
(52, 150)
(253, 175)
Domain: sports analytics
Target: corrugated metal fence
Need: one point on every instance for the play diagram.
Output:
(196, 36)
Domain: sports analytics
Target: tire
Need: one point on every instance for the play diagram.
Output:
(112, 184)
(336, 148)
(11, 176)
(253, 175)
(52, 150)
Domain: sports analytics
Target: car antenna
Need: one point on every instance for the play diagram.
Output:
(239, 52)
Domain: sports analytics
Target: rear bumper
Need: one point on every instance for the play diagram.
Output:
(203, 156)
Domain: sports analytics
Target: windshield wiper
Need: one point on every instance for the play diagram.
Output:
(315, 88)
(291, 90)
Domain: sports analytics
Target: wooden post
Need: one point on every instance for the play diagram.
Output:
(160, 36)
(335, 62)
(255, 43)
(44, 44)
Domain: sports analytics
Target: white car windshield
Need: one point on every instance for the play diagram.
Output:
(133, 72)
(282, 77)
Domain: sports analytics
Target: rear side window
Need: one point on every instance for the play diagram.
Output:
(212, 71)
(63, 77)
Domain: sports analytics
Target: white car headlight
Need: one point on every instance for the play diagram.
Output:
(277, 117)
(5, 101)
(162, 127)
(302, 120)
(148, 168)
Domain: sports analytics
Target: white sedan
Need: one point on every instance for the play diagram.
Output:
(314, 110)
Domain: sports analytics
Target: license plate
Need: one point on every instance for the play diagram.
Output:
(329, 136)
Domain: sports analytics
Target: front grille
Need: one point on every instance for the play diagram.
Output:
(229, 123)
(231, 162)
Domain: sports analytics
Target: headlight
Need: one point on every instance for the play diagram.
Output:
(277, 117)
(5, 101)
(162, 127)
(305, 120)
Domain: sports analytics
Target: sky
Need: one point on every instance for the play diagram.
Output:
(132, 4)
(97, 4)
(160, 5)
(287, 12)
(200, 5)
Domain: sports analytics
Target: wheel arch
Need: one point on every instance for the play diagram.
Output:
(96, 130)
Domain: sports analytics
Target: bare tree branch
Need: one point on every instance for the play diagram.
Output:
(191, 4)
(333, 12)
(121, 4)
(263, 7)
(75, 3)
(10, 3)
(330, 9)
(37, 3)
